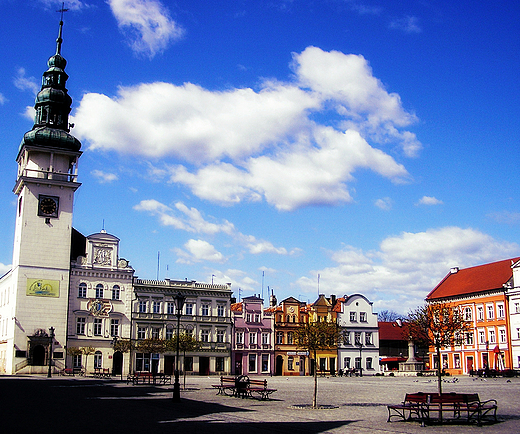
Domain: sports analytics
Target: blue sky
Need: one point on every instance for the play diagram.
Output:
(266, 143)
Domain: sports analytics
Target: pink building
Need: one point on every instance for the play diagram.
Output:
(252, 351)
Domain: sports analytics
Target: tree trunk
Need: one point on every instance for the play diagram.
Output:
(314, 399)
(439, 370)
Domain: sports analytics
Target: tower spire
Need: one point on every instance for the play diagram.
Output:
(60, 32)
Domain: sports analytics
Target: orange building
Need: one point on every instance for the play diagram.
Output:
(480, 294)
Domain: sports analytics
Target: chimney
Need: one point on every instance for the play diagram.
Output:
(454, 270)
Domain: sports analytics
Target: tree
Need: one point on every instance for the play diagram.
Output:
(314, 337)
(187, 343)
(87, 351)
(123, 345)
(151, 345)
(388, 316)
(437, 325)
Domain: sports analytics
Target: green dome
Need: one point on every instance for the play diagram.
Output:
(52, 138)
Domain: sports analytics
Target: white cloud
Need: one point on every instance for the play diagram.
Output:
(405, 268)
(104, 177)
(4, 268)
(3, 99)
(408, 24)
(505, 217)
(198, 251)
(147, 24)
(384, 203)
(429, 200)
(243, 144)
(192, 220)
(26, 83)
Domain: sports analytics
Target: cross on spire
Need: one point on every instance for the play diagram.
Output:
(62, 10)
(60, 40)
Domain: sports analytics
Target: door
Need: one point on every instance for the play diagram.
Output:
(302, 366)
(279, 365)
(332, 362)
(38, 355)
(203, 365)
(169, 363)
(469, 363)
(117, 363)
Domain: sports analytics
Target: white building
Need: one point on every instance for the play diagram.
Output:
(205, 315)
(34, 294)
(99, 304)
(513, 296)
(359, 346)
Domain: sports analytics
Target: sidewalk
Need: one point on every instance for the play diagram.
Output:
(84, 405)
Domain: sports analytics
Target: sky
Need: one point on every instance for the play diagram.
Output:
(293, 147)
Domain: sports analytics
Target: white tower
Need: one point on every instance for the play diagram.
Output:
(37, 287)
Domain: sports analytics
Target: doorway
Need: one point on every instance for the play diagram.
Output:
(279, 365)
(38, 355)
(203, 365)
(117, 363)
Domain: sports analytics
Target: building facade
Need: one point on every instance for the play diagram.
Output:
(253, 337)
(513, 296)
(480, 294)
(359, 346)
(205, 315)
(322, 311)
(99, 305)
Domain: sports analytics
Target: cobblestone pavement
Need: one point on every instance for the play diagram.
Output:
(59, 405)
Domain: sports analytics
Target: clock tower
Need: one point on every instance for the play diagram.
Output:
(45, 185)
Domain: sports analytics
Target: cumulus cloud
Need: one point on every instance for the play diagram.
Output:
(104, 177)
(406, 267)
(198, 251)
(429, 200)
(4, 268)
(192, 220)
(147, 25)
(26, 83)
(244, 144)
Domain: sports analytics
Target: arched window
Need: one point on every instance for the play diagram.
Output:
(99, 290)
(82, 290)
(98, 360)
(115, 292)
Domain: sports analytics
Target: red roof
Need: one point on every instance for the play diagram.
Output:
(390, 331)
(475, 279)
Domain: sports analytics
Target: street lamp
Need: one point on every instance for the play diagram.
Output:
(360, 358)
(179, 303)
(51, 339)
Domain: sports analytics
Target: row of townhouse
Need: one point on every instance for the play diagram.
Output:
(488, 297)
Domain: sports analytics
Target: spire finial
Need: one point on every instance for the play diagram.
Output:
(60, 40)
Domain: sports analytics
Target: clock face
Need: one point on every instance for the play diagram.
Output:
(48, 206)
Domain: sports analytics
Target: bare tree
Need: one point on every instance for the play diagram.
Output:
(388, 316)
(437, 325)
(187, 343)
(314, 337)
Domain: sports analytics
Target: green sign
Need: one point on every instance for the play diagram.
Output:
(43, 287)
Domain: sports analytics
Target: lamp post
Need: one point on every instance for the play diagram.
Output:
(179, 303)
(51, 339)
(360, 358)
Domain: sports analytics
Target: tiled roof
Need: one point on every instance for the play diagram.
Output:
(473, 280)
(236, 307)
(390, 331)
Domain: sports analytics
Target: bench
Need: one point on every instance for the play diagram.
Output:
(101, 373)
(72, 371)
(446, 405)
(145, 377)
(243, 387)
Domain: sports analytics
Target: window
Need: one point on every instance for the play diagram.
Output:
(265, 338)
(99, 290)
(481, 337)
(265, 362)
(353, 317)
(219, 364)
(279, 337)
(76, 361)
(220, 310)
(82, 290)
(169, 333)
(346, 363)
(503, 337)
(240, 338)
(369, 363)
(456, 361)
(156, 333)
(492, 337)
(156, 306)
(142, 362)
(501, 313)
(170, 306)
(517, 307)
(290, 338)
(252, 338)
(142, 306)
(97, 326)
(480, 313)
(368, 338)
(141, 332)
(220, 336)
(205, 310)
(115, 292)
(363, 316)
(204, 335)
(468, 314)
(114, 327)
(98, 360)
(290, 363)
(346, 337)
(257, 317)
(80, 325)
(469, 338)
(357, 338)
(357, 363)
(490, 312)
(189, 308)
(252, 362)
